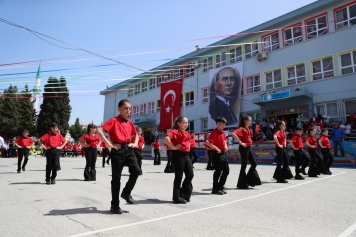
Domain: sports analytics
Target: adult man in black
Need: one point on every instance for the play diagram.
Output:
(224, 91)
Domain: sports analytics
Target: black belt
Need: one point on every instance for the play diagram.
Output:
(123, 145)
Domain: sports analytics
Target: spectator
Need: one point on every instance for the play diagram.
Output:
(317, 128)
(269, 134)
(264, 125)
(314, 119)
(337, 136)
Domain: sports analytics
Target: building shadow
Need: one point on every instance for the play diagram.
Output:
(74, 211)
(26, 183)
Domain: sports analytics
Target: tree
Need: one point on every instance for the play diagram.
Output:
(9, 114)
(55, 106)
(76, 130)
(27, 114)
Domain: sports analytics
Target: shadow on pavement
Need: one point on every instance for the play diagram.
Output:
(152, 201)
(84, 210)
(69, 179)
(27, 183)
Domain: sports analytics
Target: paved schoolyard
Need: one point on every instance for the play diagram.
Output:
(324, 206)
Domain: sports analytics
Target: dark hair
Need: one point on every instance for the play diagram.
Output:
(122, 102)
(264, 119)
(279, 123)
(138, 128)
(176, 121)
(311, 129)
(298, 128)
(244, 117)
(192, 132)
(90, 125)
(53, 125)
(220, 119)
(25, 131)
(323, 130)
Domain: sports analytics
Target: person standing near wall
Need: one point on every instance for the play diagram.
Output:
(24, 144)
(337, 136)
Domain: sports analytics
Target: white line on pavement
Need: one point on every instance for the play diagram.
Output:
(348, 231)
(207, 208)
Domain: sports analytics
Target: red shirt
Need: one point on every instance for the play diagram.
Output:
(325, 141)
(75, 147)
(104, 145)
(52, 140)
(281, 136)
(141, 140)
(69, 146)
(244, 134)
(312, 141)
(155, 145)
(297, 142)
(120, 130)
(179, 137)
(91, 140)
(24, 141)
(218, 139)
(193, 143)
(166, 146)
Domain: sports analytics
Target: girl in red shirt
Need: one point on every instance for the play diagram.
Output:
(193, 152)
(313, 146)
(243, 136)
(156, 145)
(281, 149)
(91, 142)
(179, 141)
(324, 143)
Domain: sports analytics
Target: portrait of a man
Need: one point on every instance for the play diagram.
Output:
(224, 95)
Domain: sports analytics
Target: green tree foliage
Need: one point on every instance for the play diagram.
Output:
(27, 114)
(55, 106)
(76, 130)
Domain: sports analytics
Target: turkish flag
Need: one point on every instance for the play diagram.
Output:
(170, 103)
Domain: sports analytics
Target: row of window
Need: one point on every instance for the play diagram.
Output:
(320, 69)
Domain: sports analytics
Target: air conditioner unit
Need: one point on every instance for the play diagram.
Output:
(261, 56)
(195, 64)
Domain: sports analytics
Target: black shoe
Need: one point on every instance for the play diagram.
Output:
(299, 177)
(222, 190)
(53, 181)
(219, 192)
(128, 198)
(116, 210)
(283, 181)
(304, 173)
(328, 173)
(107, 162)
(48, 181)
(23, 169)
(180, 201)
(103, 166)
(87, 179)
(141, 172)
(18, 171)
(246, 187)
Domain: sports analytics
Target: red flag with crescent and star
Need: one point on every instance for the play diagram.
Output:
(170, 103)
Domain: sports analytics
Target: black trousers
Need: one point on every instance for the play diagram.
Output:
(193, 155)
(169, 167)
(182, 164)
(210, 165)
(139, 157)
(90, 156)
(104, 153)
(52, 163)
(315, 168)
(157, 160)
(75, 153)
(327, 157)
(222, 170)
(22, 152)
(120, 158)
(279, 173)
(301, 161)
(252, 178)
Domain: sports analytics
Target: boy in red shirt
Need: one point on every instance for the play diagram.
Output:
(324, 143)
(217, 141)
(24, 144)
(156, 145)
(53, 142)
(297, 144)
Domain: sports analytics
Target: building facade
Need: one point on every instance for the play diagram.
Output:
(301, 63)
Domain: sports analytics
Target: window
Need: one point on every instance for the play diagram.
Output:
(189, 98)
(220, 60)
(345, 17)
(152, 83)
(144, 86)
(143, 109)
(293, 35)
(273, 79)
(189, 70)
(131, 91)
(271, 42)
(236, 55)
(151, 107)
(253, 84)
(317, 27)
(158, 105)
(350, 107)
(205, 94)
(251, 50)
(160, 79)
(137, 89)
(328, 108)
(179, 73)
(181, 100)
(323, 68)
(169, 76)
(135, 111)
(296, 74)
(205, 123)
(191, 126)
(348, 62)
(207, 64)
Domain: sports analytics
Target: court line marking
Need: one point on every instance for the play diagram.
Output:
(202, 209)
(348, 231)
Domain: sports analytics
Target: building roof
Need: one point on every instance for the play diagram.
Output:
(293, 15)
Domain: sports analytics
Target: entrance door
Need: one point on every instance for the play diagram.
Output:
(288, 114)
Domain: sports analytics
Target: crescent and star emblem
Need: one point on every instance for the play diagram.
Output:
(170, 92)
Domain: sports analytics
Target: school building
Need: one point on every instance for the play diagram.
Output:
(303, 62)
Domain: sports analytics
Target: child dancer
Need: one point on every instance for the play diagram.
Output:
(179, 141)
(156, 145)
(217, 141)
(313, 146)
(24, 144)
(324, 143)
(243, 136)
(299, 154)
(140, 146)
(281, 149)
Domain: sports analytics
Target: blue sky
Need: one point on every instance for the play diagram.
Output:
(132, 32)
